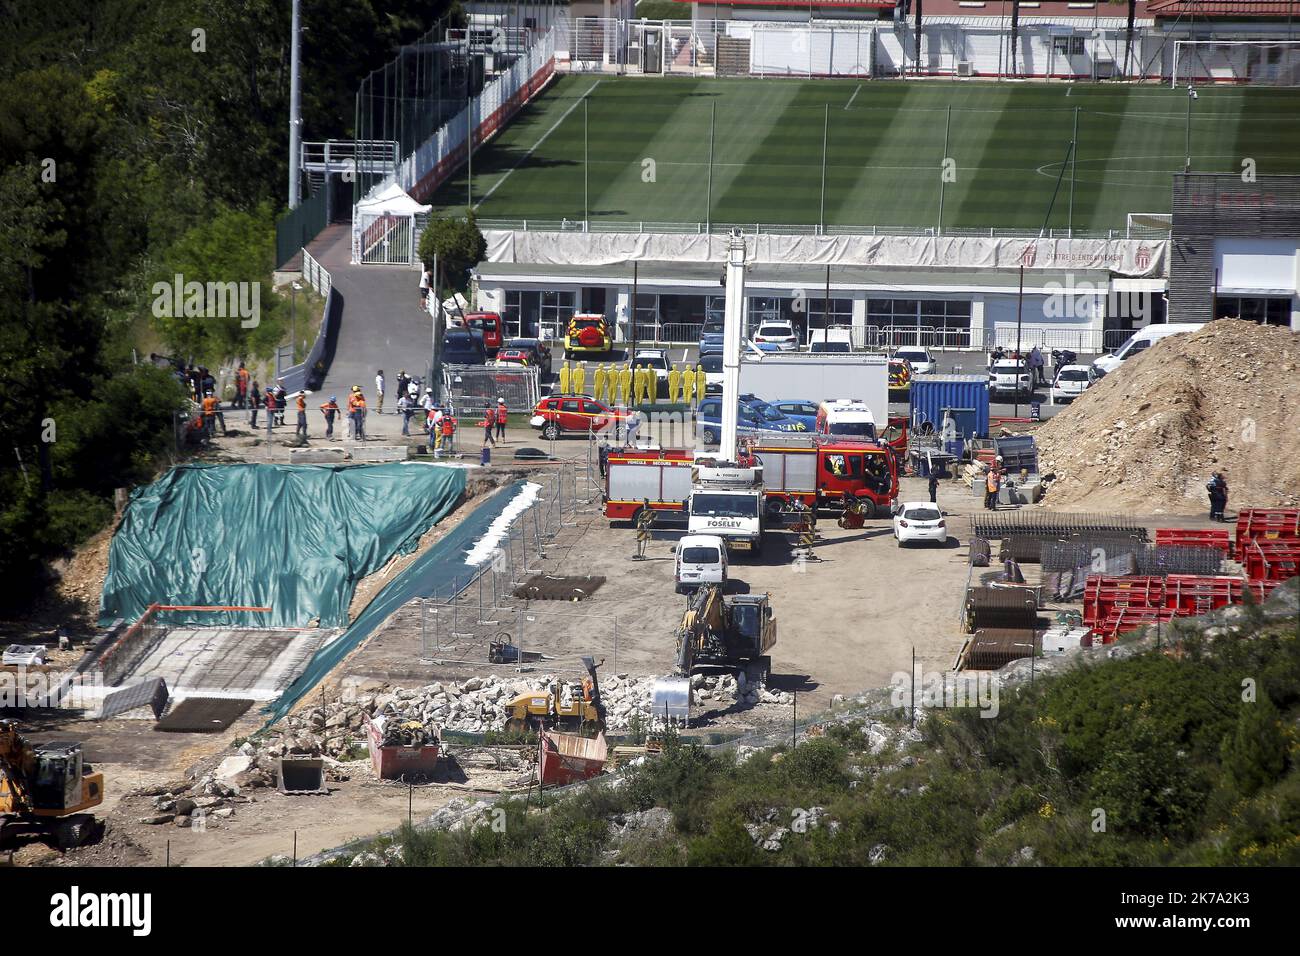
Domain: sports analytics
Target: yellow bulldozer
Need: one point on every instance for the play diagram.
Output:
(575, 707)
(44, 791)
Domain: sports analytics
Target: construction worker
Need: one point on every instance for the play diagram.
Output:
(352, 411)
(271, 405)
(645, 519)
(599, 381)
(502, 415)
(448, 429)
(379, 393)
(211, 415)
(254, 403)
(674, 380)
(405, 408)
(700, 382)
(564, 378)
(241, 386)
(992, 482)
(688, 384)
(329, 410)
(579, 379)
(489, 421)
(359, 415)
(301, 405)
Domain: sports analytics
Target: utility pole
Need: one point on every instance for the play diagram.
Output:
(295, 110)
(708, 196)
(826, 125)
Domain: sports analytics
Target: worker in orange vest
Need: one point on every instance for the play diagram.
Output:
(241, 386)
(211, 414)
(502, 414)
(359, 414)
(301, 405)
(329, 410)
(448, 429)
(271, 405)
(489, 420)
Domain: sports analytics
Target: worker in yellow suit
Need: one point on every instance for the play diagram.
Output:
(699, 382)
(564, 378)
(600, 383)
(625, 385)
(674, 379)
(651, 386)
(634, 396)
(688, 384)
(580, 379)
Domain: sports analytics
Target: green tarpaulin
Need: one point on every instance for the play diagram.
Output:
(295, 538)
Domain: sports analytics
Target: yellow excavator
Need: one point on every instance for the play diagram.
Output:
(717, 634)
(579, 709)
(44, 789)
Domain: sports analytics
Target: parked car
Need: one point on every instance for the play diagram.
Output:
(1072, 381)
(657, 361)
(780, 334)
(708, 421)
(565, 414)
(830, 347)
(770, 412)
(587, 334)
(701, 559)
(535, 350)
(799, 410)
(711, 337)
(463, 347)
(1010, 377)
(835, 336)
(1140, 341)
(920, 359)
(919, 521)
(711, 362)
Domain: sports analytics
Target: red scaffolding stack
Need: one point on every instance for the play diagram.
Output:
(1102, 595)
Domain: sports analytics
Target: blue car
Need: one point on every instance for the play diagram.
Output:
(708, 421)
(711, 337)
(798, 409)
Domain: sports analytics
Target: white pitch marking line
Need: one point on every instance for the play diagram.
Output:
(531, 149)
(853, 97)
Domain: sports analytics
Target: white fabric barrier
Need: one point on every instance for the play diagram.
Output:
(1128, 257)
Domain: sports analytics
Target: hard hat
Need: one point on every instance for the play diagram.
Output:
(501, 401)
(334, 398)
(999, 457)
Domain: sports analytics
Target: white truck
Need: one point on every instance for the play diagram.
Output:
(727, 501)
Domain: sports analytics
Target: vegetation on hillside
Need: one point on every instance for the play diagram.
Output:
(140, 139)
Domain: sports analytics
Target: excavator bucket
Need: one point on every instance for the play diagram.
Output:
(670, 699)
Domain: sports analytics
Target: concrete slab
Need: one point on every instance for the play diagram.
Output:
(218, 662)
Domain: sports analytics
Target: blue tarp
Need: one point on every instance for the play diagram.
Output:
(440, 571)
(295, 538)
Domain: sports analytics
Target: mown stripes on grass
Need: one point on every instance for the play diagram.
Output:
(884, 152)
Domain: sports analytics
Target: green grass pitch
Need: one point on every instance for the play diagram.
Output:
(648, 151)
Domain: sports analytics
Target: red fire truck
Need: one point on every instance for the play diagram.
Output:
(824, 474)
(634, 476)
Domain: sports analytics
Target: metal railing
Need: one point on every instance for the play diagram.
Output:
(797, 229)
(370, 156)
(315, 274)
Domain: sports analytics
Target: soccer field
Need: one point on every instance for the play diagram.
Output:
(647, 151)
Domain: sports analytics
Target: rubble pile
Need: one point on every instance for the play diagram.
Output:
(214, 796)
(480, 704)
(1149, 435)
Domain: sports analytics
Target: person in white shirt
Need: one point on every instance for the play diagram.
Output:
(426, 282)
(379, 392)
(427, 401)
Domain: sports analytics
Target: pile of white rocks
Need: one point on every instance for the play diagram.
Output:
(481, 704)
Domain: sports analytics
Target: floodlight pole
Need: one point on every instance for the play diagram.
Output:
(733, 317)
(826, 123)
(1074, 164)
(586, 204)
(295, 111)
(943, 170)
(708, 200)
(1191, 95)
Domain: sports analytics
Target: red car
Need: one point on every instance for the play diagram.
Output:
(558, 414)
(488, 325)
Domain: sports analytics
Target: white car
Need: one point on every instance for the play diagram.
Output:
(701, 560)
(1010, 377)
(780, 334)
(1071, 382)
(919, 521)
(657, 361)
(921, 360)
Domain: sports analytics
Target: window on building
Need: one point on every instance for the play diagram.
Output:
(1266, 310)
(1068, 46)
(937, 322)
(522, 311)
(556, 310)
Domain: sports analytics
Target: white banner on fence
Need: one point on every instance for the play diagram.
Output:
(1128, 257)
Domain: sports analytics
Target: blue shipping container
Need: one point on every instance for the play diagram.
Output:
(964, 398)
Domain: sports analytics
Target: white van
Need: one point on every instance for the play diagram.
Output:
(701, 559)
(1140, 341)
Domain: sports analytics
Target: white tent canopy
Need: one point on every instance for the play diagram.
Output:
(390, 200)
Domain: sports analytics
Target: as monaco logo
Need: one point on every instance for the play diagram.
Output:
(1142, 258)
(1029, 255)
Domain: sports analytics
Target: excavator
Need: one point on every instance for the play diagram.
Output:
(717, 633)
(579, 709)
(45, 789)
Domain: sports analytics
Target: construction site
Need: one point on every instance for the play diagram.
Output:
(468, 625)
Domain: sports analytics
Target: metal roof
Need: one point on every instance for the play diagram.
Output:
(1224, 8)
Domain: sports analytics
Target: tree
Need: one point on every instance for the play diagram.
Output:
(1254, 755)
(458, 246)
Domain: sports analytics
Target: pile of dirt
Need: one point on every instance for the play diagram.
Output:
(1148, 436)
